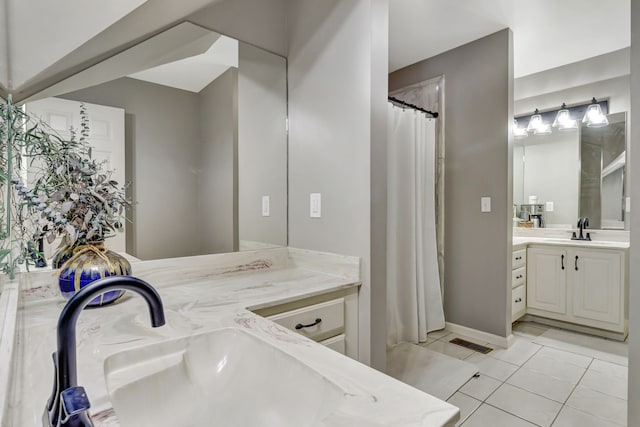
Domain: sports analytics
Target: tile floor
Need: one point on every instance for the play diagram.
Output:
(548, 377)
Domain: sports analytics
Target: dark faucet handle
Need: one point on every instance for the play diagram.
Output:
(579, 222)
(75, 402)
(585, 222)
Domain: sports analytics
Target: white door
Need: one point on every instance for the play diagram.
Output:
(547, 279)
(597, 285)
(106, 125)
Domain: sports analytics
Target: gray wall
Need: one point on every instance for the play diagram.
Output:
(599, 68)
(218, 155)
(262, 139)
(634, 255)
(162, 126)
(378, 171)
(336, 101)
(478, 161)
(259, 22)
(616, 90)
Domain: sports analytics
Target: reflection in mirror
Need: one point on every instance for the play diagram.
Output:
(204, 140)
(570, 174)
(546, 170)
(603, 165)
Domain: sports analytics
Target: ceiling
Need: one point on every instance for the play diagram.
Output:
(546, 33)
(196, 72)
(53, 30)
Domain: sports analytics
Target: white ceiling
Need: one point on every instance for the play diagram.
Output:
(546, 33)
(43, 31)
(196, 72)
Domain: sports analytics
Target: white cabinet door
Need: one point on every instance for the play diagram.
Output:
(597, 285)
(547, 279)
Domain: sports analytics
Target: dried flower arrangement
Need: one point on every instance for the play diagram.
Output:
(69, 194)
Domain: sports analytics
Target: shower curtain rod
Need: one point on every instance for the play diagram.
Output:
(415, 107)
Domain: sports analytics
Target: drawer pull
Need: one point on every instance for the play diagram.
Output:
(518, 258)
(576, 262)
(300, 325)
(519, 300)
(562, 260)
(519, 276)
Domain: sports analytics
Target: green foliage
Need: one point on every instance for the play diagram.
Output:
(67, 193)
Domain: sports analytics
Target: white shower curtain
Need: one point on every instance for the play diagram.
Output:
(414, 303)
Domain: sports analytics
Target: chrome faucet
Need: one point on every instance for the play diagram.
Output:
(69, 405)
(583, 223)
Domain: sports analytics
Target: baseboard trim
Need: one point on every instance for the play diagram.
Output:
(485, 337)
(617, 336)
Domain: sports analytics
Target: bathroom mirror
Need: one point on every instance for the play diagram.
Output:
(574, 173)
(205, 140)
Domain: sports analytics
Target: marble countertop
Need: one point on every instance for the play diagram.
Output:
(601, 239)
(201, 294)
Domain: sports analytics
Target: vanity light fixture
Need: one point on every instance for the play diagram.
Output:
(519, 132)
(563, 119)
(535, 122)
(594, 117)
(542, 129)
(593, 113)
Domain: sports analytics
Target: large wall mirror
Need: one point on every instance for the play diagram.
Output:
(573, 173)
(202, 119)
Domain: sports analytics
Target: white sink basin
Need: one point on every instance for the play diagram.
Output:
(227, 377)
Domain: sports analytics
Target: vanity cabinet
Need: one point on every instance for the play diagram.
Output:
(330, 319)
(579, 285)
(598, 285)
(547, 279)
(518, 284)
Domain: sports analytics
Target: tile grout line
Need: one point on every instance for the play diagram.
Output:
(505, 382)
(532, 340)
(484, 402)
(562, 404)
(472, 412)
(572, 390)
(514, 415)
(546, 397)
(576, 386)
(557, 345)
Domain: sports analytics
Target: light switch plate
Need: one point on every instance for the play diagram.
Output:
(549, 207)
(315, 205)
(266, 202)
(485, 204)
(627, 205)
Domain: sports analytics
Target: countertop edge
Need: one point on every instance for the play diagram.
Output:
(363, 377)
(8, 329)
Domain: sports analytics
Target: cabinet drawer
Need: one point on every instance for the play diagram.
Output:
(519, 258)
(336, 343)
(325, 320)
(518, 277)
(518, 302)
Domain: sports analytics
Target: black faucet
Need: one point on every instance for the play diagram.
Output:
(583, 223)
(69, 405)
